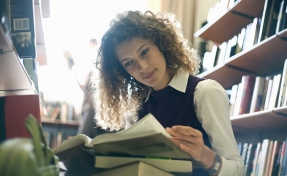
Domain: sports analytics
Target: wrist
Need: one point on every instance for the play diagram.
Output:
(216, 165)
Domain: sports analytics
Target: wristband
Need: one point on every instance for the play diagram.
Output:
(216, 166)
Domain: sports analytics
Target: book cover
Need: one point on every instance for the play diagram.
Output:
(238, 100)
(22, 27)
(135, 169)
(268, 93)
(262, 170)
(264, 20)
(257, 94)
(244, 152)
(273, 18)
(232, 99)
(249, 158)
(284, 17)
(248, 82)
(281, 16)
(166, 164)
(275, 91)
(283, 171)
(276, 166)
(274, 156)
(281, 96)
(265, 89)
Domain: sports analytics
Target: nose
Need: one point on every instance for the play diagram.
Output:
(142, 65)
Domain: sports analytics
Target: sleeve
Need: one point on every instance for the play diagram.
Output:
(212, 109)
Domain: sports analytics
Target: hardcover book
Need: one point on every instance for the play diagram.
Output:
(22, 27)
(134, 169)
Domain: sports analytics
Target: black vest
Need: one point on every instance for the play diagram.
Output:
(172, 107)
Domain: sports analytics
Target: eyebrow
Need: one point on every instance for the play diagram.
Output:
(137, 52)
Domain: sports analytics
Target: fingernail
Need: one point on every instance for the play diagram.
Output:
(174, 127)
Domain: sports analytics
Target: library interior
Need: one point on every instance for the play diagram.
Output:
(49, 54)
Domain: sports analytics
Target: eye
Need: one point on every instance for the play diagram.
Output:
(128, 63)
(144, 52)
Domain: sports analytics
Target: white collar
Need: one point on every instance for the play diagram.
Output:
(178, 82)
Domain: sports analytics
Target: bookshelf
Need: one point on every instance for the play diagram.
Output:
(16, 89)
(18, 94)
(263, 59)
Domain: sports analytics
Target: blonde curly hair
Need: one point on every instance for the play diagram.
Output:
(118, 96)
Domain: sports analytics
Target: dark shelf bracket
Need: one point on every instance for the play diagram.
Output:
(244, 70)
(280, 113)
(242, 14)
(282, 38)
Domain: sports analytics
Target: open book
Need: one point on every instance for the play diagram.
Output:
(146, 137)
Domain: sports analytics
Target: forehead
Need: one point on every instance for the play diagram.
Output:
(131, 46)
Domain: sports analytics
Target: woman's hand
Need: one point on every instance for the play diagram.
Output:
(190, 140)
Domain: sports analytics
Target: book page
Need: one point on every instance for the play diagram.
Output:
(148, 125)
(72, 142)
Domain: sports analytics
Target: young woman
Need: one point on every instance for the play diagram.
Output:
(147, 66)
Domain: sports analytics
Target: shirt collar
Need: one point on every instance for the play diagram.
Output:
(178, 82)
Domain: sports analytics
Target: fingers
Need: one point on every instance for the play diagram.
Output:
(186, 130)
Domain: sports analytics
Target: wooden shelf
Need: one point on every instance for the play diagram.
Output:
(255, 61)
(224, 75)
(242, 14)
(270, 120)
(259, 55)
(49, 122)
(13, 76)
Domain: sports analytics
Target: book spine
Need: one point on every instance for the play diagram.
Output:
(248, 82)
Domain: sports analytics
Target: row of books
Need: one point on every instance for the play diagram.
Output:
(258, 93)
(62, 111)
(264, 158)
(54, 139)
(273, 20)
(219, 9)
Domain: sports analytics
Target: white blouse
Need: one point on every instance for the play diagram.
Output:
(212, 109)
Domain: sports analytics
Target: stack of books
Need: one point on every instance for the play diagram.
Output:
(146, 143)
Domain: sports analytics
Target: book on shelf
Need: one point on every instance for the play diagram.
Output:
(274, 156)
(146, 137)
(265, 89)
(282, 12)
(257, 94)
(249, 158)
(238, 100)
(264, 20)
(284, 17)
(256, 158)
(281, 96)
(266, 144)
(283, 169)
(247, 82)
(278, 160)
(268, 93)
(240, 40)
(23, 27)
(273, 18)
(135, 169)
(244, 152)
(232, 99)
(274, 92)
(166, 164)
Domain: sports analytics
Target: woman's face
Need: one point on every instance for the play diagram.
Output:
(143, 60)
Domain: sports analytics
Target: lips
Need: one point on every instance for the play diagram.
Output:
(149, 75)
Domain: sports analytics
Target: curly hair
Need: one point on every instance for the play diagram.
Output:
(118, 95)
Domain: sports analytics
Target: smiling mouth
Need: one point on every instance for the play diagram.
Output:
(149, 75)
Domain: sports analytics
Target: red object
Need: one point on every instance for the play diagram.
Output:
(17, 109)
